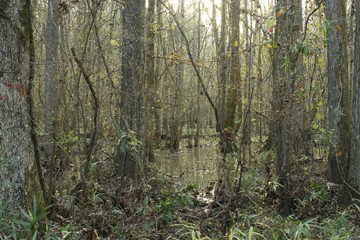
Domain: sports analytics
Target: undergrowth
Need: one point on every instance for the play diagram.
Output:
(159, 208)
(165, 213)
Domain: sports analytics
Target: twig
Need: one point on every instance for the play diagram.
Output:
(30, 101)
(96, 108)
(199, 77)
(308, 18)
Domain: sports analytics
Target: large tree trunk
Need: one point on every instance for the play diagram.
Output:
(354, 169)
(338, 90)
(18, 174)
(232, 92)
(284, 104)
(131, 97)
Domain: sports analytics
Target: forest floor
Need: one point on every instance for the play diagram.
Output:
(163, 208)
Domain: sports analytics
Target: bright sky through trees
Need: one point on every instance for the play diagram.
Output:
(207, 6)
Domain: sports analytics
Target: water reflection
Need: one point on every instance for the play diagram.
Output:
(191, 165)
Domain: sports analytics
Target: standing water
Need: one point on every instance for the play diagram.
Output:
(191, 165)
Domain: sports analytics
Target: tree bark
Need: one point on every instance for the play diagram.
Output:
(158, 64)
(131, 93)
(223, 64)
(150, 84)
(18, 174)
(232, 92)
(284, 101)
(354, 169)
(339, 105)
(176, 117)
(51, 86)
(196, 116)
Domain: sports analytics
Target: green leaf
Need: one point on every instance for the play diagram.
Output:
(270, 22)
(2, 150)
(310, 107)
(169, 215)
(27, 216)
(315, 126)
(114, 42)
(281, 12)
(146, 201)
(250, 233)
(34, 237)
(24, 223)
(318, 116)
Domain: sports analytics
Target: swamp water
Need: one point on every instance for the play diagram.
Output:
(191, 165)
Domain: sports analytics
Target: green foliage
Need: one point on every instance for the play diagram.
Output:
(277, 227)
(33, 218)
(336, 228)
(306, 48)
(144, 208)
(172, 202)
(270, 22)
(301, 230)
(2, 151)
(192, 231)
(120, 232)
(7, 222)
(128, 142)
(319, 192)
(71, 137)
(11, 227)
(237, 234)
(324, 136)
(65, 232)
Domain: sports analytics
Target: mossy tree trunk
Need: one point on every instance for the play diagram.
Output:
(232, 93)
(131, 88)
(222, 63)
(285, 75)
(339, 105)
(177, 116)
(18, 173)
(151, 86)
(354, 165)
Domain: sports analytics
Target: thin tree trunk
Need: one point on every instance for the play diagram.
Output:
(249, 63)
(197, 115)
(176, 121)
(158, 64)
(51, 88)
(354, 169)
(223, 63)
(150, 84)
